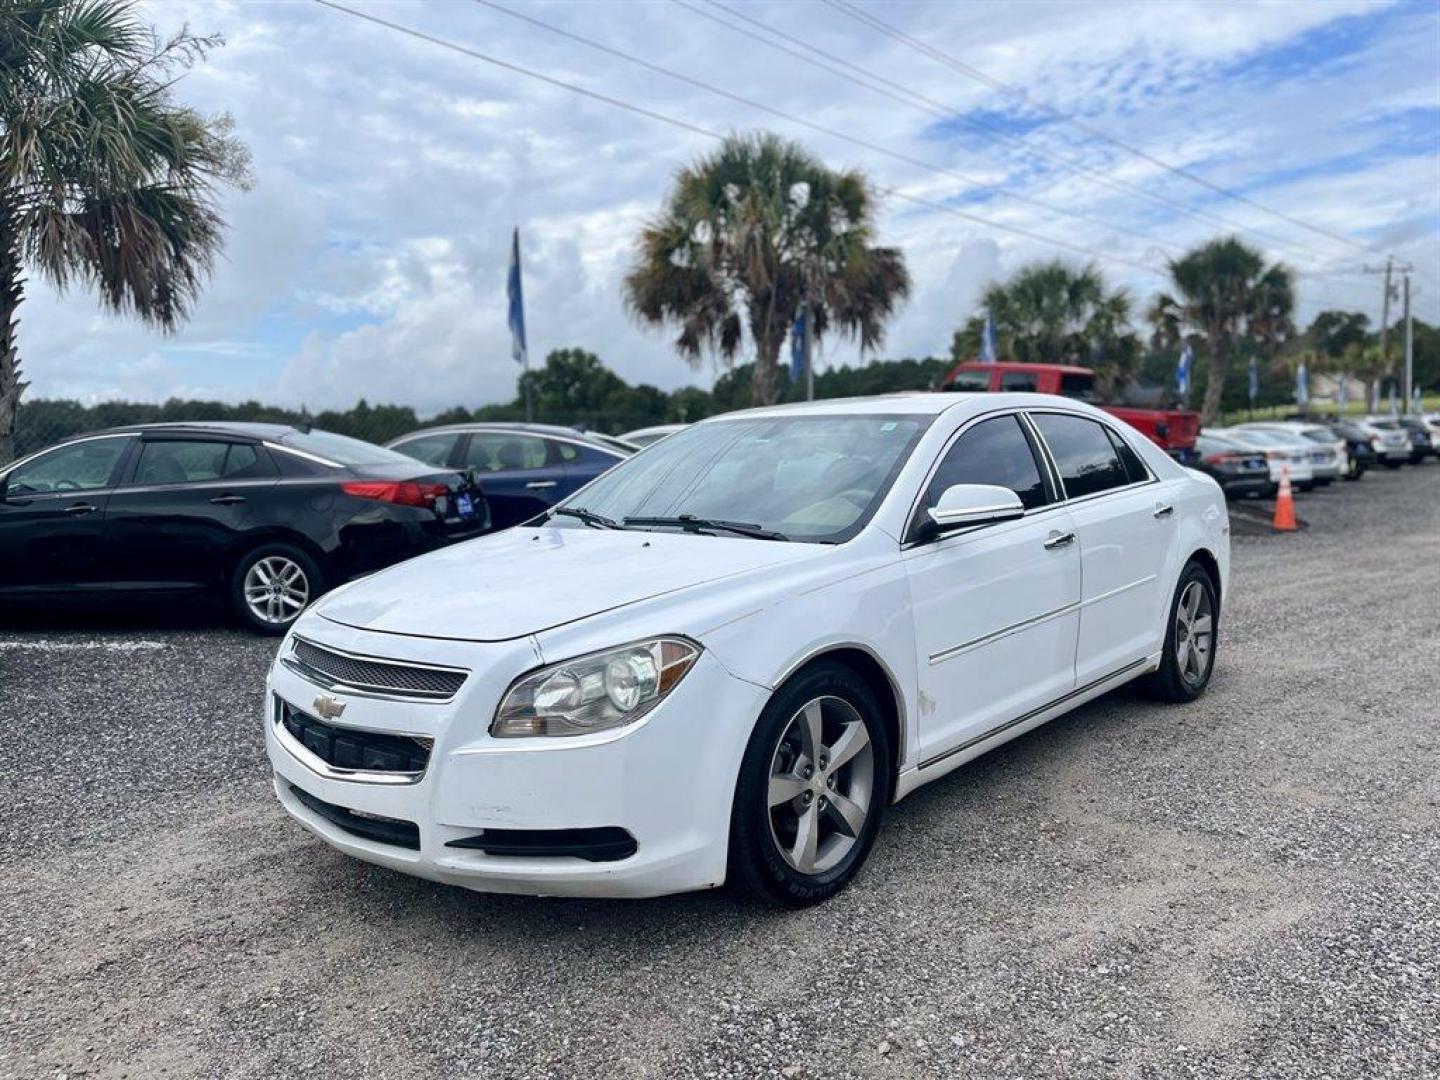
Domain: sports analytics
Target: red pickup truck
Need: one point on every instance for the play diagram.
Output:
(1173, 430)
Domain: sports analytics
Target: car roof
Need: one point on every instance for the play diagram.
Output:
(254, 430)
(1297, 426)
(518, 427)
(905, 403)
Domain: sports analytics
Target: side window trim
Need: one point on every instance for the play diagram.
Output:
(1054, 483)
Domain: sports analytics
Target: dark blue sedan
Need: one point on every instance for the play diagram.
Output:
(523, 469)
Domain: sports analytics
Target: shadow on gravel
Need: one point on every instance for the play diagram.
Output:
(114, 615)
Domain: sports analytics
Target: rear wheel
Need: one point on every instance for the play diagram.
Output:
(271, 585)
(1190, 639)
(813, 784)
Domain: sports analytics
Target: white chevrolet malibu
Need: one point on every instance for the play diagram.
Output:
(721, 660)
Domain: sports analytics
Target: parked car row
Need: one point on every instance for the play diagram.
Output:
(1249, 459)
(267, 517)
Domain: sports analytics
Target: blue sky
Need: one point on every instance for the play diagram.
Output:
(369, 256)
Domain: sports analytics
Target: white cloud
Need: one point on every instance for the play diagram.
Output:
(370, 256)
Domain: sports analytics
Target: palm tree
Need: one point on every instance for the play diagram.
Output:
(747, 236)
(104, 180)
(1227, 295)
(1054, 313)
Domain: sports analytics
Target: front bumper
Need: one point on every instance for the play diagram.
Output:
(668, 781)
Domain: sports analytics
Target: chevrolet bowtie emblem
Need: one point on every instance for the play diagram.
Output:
(328, 707)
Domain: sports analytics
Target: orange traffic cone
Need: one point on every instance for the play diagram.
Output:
(1284, 504)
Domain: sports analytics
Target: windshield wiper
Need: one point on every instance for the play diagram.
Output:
(589, 517)
(691, 523)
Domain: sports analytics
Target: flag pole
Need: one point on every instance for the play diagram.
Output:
(519, 349)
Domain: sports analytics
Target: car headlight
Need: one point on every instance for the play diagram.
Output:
(595, 692)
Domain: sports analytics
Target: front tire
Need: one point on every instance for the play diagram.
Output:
(813, 784)
(271, 585)
(1191, 637)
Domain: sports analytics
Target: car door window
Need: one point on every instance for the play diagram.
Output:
(243, 462)
(589, 456)
(1086, 458)
(431, 449)
(992, 452)
(82, 466)
(503, 451)
(969, 382)
(1018, 381)
(180, 461)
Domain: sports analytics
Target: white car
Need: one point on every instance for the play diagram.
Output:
(1329, 459)
(1285, 454)
(722, 659)
(646, 435)
(1390, 440)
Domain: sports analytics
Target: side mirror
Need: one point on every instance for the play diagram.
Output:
(965, 505)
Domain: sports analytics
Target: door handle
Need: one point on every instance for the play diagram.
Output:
(535, 485)
(227, 500)
(1163, 511)
(80, 508)
(1058, 540)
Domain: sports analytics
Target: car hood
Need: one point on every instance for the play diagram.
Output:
(527, 580)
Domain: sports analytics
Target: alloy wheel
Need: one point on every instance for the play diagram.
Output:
(1194, 632)
(276, 589)
(822, 782)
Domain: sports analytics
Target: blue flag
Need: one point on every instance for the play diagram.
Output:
(1417, 402)
(797, 348)
(1254, 379)
(987, 341)
(1302, 384)
(1182, 372)
(1342, 395)
(1394, 409)
(519, 352)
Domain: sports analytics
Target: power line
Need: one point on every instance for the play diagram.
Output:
(896, 91)
(821, 128)
(849, 9)
(475, 54)
(686, 125)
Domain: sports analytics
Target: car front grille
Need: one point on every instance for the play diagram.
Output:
(331, 667)
(352, 749)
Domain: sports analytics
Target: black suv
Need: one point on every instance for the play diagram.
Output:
(266, 516)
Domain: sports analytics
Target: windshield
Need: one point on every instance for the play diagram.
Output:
(812, 478)
(342, 449)
(1320, 435)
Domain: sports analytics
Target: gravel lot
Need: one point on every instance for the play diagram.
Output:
(1246, 887)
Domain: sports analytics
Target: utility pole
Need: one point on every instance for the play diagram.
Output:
(1385, 319)
(1409, 349)
(1388, 270)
